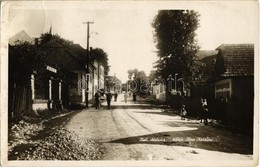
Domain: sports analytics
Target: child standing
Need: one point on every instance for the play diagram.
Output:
(183, 112)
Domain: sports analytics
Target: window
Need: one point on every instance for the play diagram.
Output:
(223, 89)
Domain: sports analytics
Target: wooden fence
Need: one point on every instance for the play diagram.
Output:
(20, 101)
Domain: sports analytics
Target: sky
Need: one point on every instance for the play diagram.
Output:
(123, 30)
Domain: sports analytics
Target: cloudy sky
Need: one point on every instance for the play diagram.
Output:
(124, 29)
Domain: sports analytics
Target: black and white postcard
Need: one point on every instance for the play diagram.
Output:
(129, 83)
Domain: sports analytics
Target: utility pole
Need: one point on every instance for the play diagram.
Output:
(88, 75)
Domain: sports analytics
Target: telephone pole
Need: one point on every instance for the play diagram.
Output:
(88, 75)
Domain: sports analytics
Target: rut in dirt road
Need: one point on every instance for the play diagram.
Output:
(141, 132)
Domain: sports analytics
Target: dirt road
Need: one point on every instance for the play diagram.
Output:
(140, 132)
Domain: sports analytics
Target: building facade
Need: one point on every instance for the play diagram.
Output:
(234, 83)
(57, 78)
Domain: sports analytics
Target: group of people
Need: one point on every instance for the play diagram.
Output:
(99, 97)
(204, 112)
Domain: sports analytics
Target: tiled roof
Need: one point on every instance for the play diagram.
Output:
(238, 59)
(57, 49)
(79, 52)
(75, 49)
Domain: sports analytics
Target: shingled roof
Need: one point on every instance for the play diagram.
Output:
(237, 59)
(58, 51)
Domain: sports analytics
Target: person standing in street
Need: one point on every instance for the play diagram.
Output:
(125, 96)
(205, 111)
(116, 94)
(109, 97)
(97, 100)
(134, 97)
(183, 112)
(201, 110)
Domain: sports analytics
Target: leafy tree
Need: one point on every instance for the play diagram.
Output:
(23, 59)
(152, 75)
(113, 83)
(143, 82)
(175, 38)
(46, 37)
(132, 73)
(101, 56)
(174, 34)
(139, 81)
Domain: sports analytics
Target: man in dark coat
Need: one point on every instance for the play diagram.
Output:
(109, 97)
(134, 97)
(116, 96)
(97, 99)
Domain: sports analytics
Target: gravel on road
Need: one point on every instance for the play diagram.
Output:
(48, 140)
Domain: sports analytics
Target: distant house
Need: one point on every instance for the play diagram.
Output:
(61, 81)
(202, 88)
(70, 60)
(159, 89)
(233, 79)
(20, 38)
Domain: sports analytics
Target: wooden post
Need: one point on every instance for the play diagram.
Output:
(32, 87)
(60, 90)
(50, 90)
(83, 88)
(60, 98)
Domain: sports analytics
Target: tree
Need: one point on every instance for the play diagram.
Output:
(47, 37)
(175, 38)
(138, 80)
(152, 75)
(23, 60)
(174, 34)
(101, 56)
(132, 73)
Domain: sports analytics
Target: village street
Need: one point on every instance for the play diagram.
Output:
(132, 131)
(188, 75)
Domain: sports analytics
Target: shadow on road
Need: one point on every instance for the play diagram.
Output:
(199, 136)
(204, 137)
